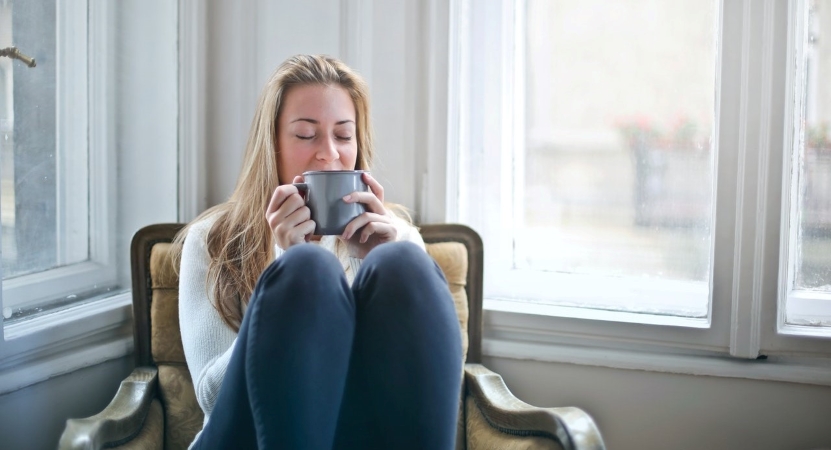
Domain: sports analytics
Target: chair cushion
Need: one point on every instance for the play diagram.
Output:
(165, 337)
(452, 259)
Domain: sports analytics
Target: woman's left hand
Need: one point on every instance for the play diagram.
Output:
(373, 227)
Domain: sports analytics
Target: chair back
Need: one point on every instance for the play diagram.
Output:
(158, 342)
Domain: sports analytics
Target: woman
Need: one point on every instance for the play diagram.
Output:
(298, 341)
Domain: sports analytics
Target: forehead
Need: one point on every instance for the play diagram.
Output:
(318, 102)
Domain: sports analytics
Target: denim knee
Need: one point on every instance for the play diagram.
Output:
(304, 260)
(399, 258)
(298, 268)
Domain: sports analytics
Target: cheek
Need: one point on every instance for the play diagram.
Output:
(289, 162)
(350, 155)
(292, 155)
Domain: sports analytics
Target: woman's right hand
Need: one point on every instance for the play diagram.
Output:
(288, 216)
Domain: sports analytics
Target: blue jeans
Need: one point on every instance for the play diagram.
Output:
(320, 365)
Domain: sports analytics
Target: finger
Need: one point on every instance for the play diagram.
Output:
(299, 234)
(289, 206)
(362, 220)
(288, 235)
(281, 193)
(305, 230)
(372, 202)
(284, 227)
(375, 186)
(384, 231)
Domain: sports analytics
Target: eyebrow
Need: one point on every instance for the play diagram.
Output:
(303, 119)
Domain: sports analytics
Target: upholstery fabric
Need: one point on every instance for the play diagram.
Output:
(161, 267)
(461, 421)
(452, 259)
(152, 431)
(165, 337)
(183, 417)
(482, 436)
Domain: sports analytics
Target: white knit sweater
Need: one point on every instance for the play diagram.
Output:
(208, 342)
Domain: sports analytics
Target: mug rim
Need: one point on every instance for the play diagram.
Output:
(342, 171)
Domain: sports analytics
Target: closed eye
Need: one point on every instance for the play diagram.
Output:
(305, 138)
(344, 138)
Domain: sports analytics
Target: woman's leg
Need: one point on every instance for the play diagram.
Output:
(286, 379)
(405, 375)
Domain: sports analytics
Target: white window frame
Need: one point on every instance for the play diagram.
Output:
(798, 309)
(84, 188)
(86, 333)
(743, 322)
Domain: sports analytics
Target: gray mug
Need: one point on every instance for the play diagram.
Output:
(323, 192)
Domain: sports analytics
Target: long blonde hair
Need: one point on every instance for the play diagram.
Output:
(240, 242)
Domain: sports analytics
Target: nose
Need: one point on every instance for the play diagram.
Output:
(327, 152)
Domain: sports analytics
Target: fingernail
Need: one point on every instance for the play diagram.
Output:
(346, 198)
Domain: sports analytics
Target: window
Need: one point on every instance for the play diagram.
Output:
(808, 288)
(55, 247)
(628, 166)
(88, 155)
(615, 173)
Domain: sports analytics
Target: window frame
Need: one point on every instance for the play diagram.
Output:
(85, 192)
(753, 92)
(148, 77)
(820, 302)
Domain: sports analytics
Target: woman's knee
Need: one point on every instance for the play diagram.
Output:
(403, 259)
(302, 280)
(305, 260)
(400, 271)
(299, 267)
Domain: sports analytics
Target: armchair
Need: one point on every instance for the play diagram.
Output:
(155, 406)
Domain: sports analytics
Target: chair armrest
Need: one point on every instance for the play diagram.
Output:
(572, 427)
(120, 420)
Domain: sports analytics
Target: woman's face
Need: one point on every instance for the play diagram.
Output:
(316, 131)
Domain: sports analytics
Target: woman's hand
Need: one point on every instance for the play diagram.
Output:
(372, 228)
(288, 216)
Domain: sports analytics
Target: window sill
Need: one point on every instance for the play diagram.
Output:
(527, 307)
(525, 335)
(54, 344)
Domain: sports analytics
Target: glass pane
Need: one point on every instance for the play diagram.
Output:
(813, 265)
(27, 139)
(618, 171)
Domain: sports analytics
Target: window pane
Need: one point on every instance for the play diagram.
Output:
(28, 155)
(618, 163)
(28, 144)
(813, 265)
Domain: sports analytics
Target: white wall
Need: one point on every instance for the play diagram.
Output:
(246, 44)
(639, 410)
(34, 417)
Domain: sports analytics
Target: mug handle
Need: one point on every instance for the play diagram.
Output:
(304, 187)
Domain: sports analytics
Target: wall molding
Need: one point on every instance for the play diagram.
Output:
(192, 90)
(790, 371)
(356, 32)
(54, 344)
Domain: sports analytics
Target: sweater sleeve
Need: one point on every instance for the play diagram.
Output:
(208, 342)
(407, 232)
